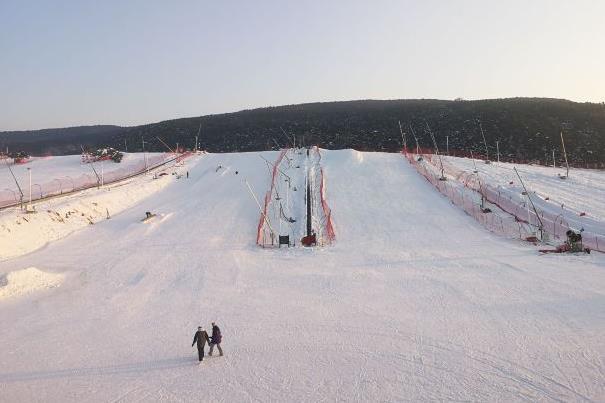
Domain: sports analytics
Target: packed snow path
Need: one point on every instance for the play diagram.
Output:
(415, 301)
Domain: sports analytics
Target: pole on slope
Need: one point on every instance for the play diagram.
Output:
(474, 165)
(487, 161)
(144, 153)
(260, 209)
(482, 206)
(287, 137)
(272, 164)
(442, 178)
(165, 145)
(92, 166)
(199, 131)
(554, 164)
(30, 184)
(416, 139)
(532, 202)
(405, 146)
(96, 174)
(498, 150)
(447, 145)
(16, 181)
(565, 154)
(102, 173)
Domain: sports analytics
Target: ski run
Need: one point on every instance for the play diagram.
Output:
(404, 297)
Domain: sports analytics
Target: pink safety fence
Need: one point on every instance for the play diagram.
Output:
(67, 184)
(324, 204)
(261, 234)
(554, 225)
(327, 211)
(467, 201)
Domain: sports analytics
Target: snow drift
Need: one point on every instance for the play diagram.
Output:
(22, 282)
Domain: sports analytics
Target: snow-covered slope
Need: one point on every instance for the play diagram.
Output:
(415, 301)
(57, 217)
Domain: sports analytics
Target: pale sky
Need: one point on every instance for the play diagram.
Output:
(80, 62)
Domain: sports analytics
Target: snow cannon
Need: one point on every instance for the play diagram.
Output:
(572, 245)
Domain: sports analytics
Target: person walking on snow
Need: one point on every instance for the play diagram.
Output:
(201, 337)
(216, 339)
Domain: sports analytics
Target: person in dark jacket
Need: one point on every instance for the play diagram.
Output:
(201, 337)
(216, 339)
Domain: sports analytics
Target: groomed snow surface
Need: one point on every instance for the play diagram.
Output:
(415, 301)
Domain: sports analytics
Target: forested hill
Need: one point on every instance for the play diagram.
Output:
(57, 141)
(526, 128)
